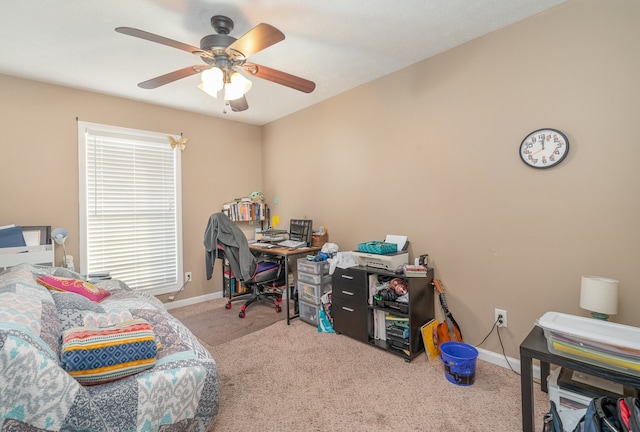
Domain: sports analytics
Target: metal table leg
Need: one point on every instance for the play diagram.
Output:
(526, 385)
(286, 285)
(290, 295)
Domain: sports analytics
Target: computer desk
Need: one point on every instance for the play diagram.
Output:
(287, 254)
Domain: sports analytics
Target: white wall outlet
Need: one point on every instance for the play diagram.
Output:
(497, 314)
(187, 277)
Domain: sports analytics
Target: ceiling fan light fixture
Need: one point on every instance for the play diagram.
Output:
(213, 78)
(208, 90)
(237, 86)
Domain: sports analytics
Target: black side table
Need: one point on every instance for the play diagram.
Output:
(535, 347)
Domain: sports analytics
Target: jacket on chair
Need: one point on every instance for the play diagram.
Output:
(223, 231)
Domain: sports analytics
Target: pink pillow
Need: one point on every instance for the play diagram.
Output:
(77, 286)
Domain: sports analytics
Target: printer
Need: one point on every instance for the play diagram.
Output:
(390, 261)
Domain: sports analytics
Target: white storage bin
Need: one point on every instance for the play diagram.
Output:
(311, 293)
(601, 343)
(309, 313)
(313, 267)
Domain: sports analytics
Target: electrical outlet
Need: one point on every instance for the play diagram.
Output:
(187, 277)
(499, 312)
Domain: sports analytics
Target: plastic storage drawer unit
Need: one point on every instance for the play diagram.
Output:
(315, 279)
(309, 312)
(601, 343)
(311, 293)
(313, 267)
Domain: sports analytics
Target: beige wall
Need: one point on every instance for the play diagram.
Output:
(432, 152)
(39, 161)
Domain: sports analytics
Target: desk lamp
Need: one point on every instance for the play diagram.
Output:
(59, 235)
(600, 296)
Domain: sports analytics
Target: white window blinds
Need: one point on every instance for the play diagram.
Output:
(130, 206)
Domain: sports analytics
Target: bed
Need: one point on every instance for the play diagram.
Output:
(178, 392)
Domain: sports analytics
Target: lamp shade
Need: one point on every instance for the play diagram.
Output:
(236, 87)
(212, 81)
(599, 295)
(59, 235)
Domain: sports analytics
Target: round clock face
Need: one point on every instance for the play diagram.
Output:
(544, 148)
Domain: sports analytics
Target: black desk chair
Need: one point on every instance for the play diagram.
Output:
(223, 239)
(268, 275)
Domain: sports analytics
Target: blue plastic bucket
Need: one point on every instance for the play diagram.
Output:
(459, 361)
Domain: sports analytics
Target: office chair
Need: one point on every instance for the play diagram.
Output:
(223, 239)
(269, 271)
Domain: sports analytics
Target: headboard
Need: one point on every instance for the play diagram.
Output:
(37, 248)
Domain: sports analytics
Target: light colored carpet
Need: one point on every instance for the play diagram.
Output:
(214, 324)
(292, 378)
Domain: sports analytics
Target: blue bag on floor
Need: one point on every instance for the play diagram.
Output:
(601, 416)
(604, 414)
(552, 421)
(324, 324)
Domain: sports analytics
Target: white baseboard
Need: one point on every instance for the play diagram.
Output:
(483, 354)
(499, 359)
(192, 300)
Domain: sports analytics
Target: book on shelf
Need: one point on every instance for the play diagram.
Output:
(412, 270)
(392, 317)
(244, 209)
(400, 321)
(379, 325)
(430, 338)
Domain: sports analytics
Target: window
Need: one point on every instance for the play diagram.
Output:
(130, 206)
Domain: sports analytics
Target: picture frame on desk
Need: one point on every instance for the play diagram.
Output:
(36, 235)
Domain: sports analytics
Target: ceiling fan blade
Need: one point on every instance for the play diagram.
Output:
(172, 76)
(162, 40)
(239, 104)
(258, 38)
(279, 77)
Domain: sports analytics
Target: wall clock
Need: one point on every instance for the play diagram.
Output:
(544, 148)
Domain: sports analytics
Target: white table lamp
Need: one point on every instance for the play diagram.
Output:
(600, 296)
(59, 235)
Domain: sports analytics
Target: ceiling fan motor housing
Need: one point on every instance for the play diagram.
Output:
(215, 42)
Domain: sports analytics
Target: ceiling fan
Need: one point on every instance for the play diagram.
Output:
(225, 56)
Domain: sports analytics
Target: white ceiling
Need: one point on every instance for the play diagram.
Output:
(338, 44)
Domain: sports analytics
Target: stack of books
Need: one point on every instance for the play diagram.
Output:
(398, 333)
(412, 270)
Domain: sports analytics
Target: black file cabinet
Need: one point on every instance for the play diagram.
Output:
(349, 303)
(353, 316)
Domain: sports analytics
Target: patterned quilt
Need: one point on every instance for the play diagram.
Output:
(180, 392)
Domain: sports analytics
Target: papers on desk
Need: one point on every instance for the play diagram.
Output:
(342, 260)
(292, 244)
(264, 245)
